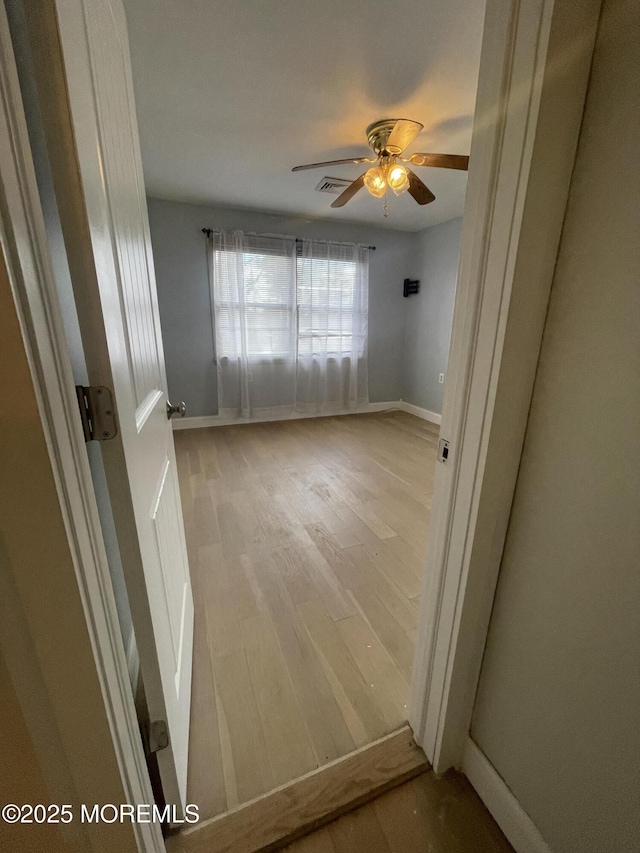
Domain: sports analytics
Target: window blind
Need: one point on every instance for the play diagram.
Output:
(265, 323)
(326, 291)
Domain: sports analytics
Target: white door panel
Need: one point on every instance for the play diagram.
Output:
(89, 114)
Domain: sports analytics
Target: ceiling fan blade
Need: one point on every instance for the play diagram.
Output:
(442, 161)
(403, 134)
(332, 163)
(349, 193)
(421, 193)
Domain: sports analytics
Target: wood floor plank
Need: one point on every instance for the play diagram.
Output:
(362, 532)
(338, 658)
(242, 595)
(277, 526)
(378, 668)
(354, 486)
(326, 726)
(293, 571)
(223, 628)
(337, 558)
(394, 639)
(233, 540)
(395, 570)
(402, 609)
(274, 540)
(228, 766)
(218, 491)
(318, 842)
(332, 593)
(415, 534)
(204, 520)
(320, 508)
(406, 504)
(205, 778)
(249, 520)
(366, 513)
(256, 600)
(308, 576)
(413, 558)
(359, 830)
(354, 724)
(287, 740)
(444, 815)
(253, 774)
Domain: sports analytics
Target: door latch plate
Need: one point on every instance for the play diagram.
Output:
(443, 450)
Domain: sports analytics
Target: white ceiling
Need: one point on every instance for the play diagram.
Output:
(231, 94)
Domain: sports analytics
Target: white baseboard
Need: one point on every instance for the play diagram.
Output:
(425, 414)
(506, 810)
(216, 420)
(393, 405)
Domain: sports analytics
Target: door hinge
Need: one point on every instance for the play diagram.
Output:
(96, 412)
(156, 736)
(443, 450)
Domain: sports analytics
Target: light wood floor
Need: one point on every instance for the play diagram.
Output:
(307, 544)
(426, 815)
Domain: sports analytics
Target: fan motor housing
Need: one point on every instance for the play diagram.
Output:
(378, 133)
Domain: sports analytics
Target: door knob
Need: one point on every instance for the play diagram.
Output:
(180, 409)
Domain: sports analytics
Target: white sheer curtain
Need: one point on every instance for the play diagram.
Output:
(290, 326)
(333, 297)
(254, 297)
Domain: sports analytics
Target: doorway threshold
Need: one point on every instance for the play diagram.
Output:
(292, 810)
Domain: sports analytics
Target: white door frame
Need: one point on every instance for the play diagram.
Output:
(534, 71)
(24, 242)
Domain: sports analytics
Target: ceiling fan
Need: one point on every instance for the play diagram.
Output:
(388, 138)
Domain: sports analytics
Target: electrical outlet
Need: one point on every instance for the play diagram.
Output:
(441, 378)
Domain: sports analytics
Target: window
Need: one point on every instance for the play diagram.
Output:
(260, 311)
(290, 324)
(272, 304)
(326, 295)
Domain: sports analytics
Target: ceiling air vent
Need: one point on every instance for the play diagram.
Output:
(333, 185)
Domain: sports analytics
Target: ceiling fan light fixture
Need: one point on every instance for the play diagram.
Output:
(388, 139)
(398, 178)
(375, 181)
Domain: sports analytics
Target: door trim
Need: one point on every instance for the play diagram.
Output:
(534, 73)
(529, 108)
(26, 249)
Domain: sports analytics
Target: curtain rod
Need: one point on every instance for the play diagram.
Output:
(209, 232)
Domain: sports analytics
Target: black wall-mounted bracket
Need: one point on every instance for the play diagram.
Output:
(411, 287)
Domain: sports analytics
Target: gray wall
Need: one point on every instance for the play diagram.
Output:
(430, 313)
(185, 309)
(408, 338)
(558, 707)
(183, 293)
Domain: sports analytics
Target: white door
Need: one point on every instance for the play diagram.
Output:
(89, 114)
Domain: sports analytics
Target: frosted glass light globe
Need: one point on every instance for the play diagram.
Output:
(398, 179)
(375, 181)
